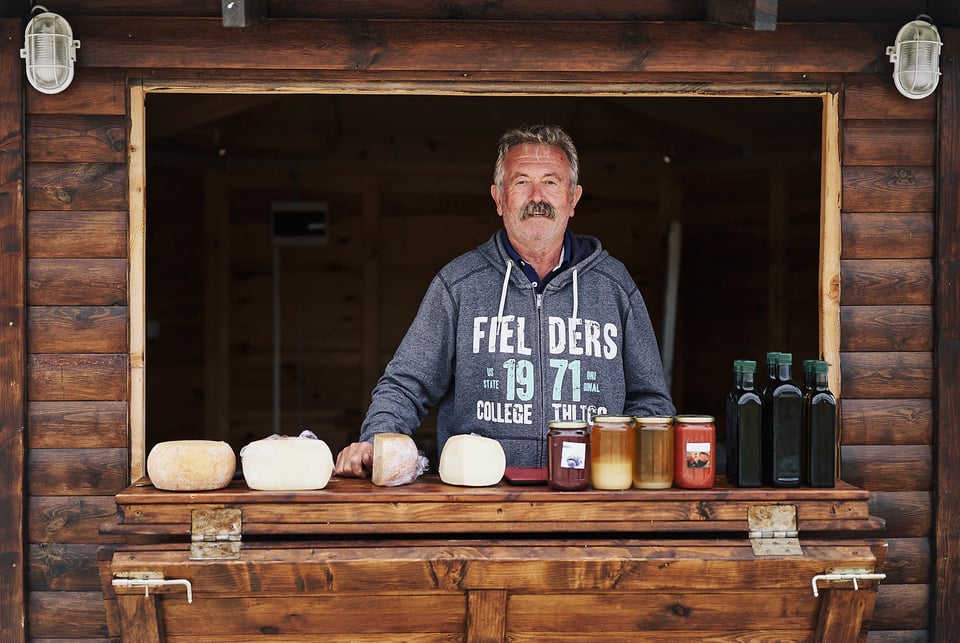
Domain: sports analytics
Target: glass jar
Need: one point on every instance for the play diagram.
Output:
(694, 451)
(653, 465)
(612, 446)
(568, 465)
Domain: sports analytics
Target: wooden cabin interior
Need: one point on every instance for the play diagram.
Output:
(249, 333)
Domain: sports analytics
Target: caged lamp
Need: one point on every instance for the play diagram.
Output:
(49, 51)
(916, 58)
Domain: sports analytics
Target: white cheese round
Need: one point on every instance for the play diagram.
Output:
(191, 465)
(472, 461)
(283, 463)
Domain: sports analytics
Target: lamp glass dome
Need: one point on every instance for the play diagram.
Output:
(916, 58)
(50, 52)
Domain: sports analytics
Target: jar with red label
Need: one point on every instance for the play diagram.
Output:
(568, 464)
(612, 451)
(695, 451)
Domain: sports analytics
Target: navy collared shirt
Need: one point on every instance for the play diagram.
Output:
(540, 284)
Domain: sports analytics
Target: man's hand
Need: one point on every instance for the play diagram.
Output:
(356, 460)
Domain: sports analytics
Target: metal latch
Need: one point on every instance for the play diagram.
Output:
(848, 574)
(146, 580)
(215, 534)
(773, 530)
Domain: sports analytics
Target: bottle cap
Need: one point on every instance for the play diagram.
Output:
(748, 366)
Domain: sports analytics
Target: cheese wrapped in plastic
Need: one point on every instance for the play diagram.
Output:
(472, 461)
(285, 463)
(191, 465)
(396, 460)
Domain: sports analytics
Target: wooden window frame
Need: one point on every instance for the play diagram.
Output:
(830, 187)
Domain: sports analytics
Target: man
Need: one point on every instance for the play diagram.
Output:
(536, 325)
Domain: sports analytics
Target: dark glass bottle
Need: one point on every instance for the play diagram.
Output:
(785, 431)
(730, 428)
(749, 428)
(820, 446)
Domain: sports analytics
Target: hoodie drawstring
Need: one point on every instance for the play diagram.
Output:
(503, 299)
(576, 298)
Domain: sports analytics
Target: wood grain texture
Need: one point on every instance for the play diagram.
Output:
(59, 377)
(466, 46)
(902, 607)
(65, 234)
(66, 424)
(884, 421)
(81, 282)
(874, 97)
(12, 334)
(76, 138)
(887, 375)
(886, 328)
(63, 567)
(874, 282)
(907, 514)
(76, 186)
(887, 235)
(66, 329)
(885, 143)
(69, 519)
(888, 468)
(94, 91)
(888, 189)
(48, 611)
(81, 472)
(946, 600)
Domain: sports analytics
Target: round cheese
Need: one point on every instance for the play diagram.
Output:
(472, 461)
(283, 463)
(191, 465)
(396, 460)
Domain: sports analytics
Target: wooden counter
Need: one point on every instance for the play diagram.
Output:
(432, 562)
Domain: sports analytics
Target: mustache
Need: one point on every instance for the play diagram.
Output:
(537, 209)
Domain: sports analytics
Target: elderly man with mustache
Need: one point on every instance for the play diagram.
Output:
(536, 325)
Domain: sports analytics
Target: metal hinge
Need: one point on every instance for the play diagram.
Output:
(773, 530)
(215, 534)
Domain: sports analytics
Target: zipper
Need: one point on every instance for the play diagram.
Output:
(538, 298)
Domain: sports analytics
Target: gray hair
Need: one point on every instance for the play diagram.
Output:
(538, 135)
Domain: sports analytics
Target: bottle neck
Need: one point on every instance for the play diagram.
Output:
(746, 382)
(821, 382)
(785, 372)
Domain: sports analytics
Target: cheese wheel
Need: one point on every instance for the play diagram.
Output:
(472, 461)
(396, 460)
(191, 465)
(283, 463)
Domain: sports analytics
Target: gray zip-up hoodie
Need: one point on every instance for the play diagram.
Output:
(502, 361)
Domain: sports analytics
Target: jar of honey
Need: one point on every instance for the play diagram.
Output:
(653, 464)
(568, 464)
(694, 451)
(612, 447)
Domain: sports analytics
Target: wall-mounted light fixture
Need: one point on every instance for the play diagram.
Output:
(49, 50)
(916, 58)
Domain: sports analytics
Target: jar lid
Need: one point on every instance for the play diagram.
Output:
(653, 419)
(612, 419)
(568, 426)
(693, 419)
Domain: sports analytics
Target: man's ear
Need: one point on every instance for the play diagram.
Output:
(495, 193)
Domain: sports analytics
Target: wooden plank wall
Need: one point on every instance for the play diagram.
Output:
(886, 339)
(77, 371)
(12, 335)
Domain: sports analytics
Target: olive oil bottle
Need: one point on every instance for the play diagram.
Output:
(820, 430)
(783, 427)
(745, 445)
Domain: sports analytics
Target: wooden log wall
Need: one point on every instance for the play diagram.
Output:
(77, 370)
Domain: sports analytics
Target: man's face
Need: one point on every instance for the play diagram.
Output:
(537, 199)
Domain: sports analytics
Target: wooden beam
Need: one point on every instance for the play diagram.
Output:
(12, 333)
(489, 47)
(946, 590)
(759, 15)
(243, 13)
